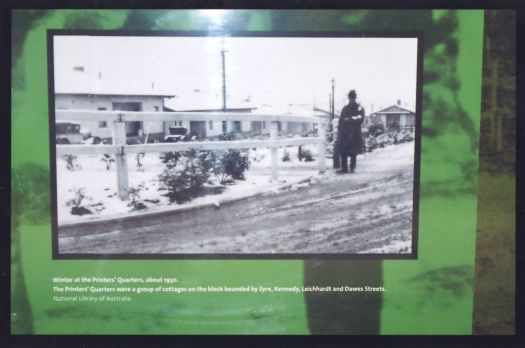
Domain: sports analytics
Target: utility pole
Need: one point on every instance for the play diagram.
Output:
(336, 159)
(329, 125)
(332, 106)
(332, 110)
(223, 55)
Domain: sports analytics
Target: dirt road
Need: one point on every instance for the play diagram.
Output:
(369, 211)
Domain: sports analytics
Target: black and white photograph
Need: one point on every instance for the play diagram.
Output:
(234, 145)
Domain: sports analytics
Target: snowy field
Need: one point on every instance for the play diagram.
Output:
(100, 184)
(366, 212)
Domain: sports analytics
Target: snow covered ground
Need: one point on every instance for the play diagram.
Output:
(100, 184)
(366, 212)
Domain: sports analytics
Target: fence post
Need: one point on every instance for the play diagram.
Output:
(121, 159)
(274, 149)
(336, 158)
(322, 148)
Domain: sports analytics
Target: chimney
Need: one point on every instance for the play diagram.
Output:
(399, 102)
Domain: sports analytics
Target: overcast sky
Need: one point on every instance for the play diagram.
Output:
(273, 71)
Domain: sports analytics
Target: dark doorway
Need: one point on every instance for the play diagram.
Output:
(133, 128)
(392, 121)
(256, 127)
(198, 129)
(237, 126)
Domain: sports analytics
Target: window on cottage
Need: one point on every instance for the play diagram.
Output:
(237, 126)
(210, 125)
(127, 106)
(102, 124)
(156, 108)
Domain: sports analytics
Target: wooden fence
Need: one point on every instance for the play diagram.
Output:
(120, 149)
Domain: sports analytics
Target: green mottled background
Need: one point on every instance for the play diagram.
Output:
(431, 295)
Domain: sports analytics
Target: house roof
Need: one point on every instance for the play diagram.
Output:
(246, 109)
(394, 109)
(117, 94)
(300, 110)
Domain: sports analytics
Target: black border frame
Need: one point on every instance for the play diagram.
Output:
(30, 340)
(51, 33)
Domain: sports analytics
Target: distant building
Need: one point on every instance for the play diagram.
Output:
(207, 129)
(127, 102)
(394, 116)
(157, 130)
(240, 128)
(291, 110)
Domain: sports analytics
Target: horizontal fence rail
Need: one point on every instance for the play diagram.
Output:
(123, 116)
(120, 149)
(182, 146)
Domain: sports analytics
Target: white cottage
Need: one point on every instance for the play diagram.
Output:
(124, 102)
(394, 116)
(157, 130)
(215, 128)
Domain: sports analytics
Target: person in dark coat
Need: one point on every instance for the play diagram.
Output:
(349, 135)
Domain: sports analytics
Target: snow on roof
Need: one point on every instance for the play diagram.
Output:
(394, 109)
(210, 102)
(118, 94)
(299, 110)
(228, 109)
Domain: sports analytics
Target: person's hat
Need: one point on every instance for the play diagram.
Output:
(352, 94)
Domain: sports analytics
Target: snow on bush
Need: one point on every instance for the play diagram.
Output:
(305, 155)
(234, 163)
(72, 162)
(138, 158)
(76, 202)
(134, 194)
(108, 161)
(185, 174)
(286, 156)
(391, 137)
